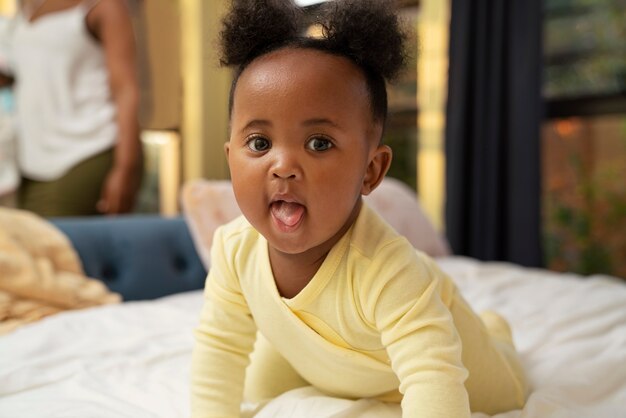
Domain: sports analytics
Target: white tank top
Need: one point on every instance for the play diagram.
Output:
(65, 112)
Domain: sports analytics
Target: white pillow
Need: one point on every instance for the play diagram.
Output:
(208, 204)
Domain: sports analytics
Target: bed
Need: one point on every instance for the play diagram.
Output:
(132, 359)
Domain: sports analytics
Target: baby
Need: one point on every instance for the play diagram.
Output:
(337, 298)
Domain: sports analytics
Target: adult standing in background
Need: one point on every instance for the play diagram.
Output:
(77, 100)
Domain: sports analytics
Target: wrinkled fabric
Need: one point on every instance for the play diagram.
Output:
(40, 272)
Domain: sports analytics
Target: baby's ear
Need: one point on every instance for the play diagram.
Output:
(376, 169)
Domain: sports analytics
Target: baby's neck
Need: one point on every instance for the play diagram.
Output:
(293, 272)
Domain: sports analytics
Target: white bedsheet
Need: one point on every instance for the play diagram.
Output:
(132, 360)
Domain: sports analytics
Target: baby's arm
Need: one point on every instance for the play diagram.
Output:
(224, 340)
(418, 332)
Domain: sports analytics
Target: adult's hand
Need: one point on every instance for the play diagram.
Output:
(119, 191)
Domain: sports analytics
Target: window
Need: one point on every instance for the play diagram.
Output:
(584, 136)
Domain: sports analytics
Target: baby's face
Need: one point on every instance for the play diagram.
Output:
(302, 143)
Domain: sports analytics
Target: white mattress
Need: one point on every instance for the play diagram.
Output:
(132, 360)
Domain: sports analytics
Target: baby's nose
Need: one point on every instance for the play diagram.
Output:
(286, 166)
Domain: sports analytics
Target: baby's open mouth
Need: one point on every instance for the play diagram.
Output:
(288, 213)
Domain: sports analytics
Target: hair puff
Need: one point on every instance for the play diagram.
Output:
(369, 31)
(251, 26)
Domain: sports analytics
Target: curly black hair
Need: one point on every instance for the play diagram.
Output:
(368, 32)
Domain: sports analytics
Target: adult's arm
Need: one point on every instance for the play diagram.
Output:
(110, 22)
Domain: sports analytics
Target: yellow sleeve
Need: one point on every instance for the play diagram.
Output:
(224, 340)
(403, 300)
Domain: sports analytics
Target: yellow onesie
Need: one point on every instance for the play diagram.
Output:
(378, 320)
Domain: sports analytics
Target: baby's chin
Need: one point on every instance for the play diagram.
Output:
(294, 246)
(289, 247)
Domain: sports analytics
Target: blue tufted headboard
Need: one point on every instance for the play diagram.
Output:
(138, 256)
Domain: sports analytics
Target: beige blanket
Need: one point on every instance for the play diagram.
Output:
(40, 272)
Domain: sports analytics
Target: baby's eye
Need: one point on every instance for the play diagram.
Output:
(258, 144)
(319, 144)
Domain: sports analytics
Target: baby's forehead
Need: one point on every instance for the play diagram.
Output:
(305, 65)
(303, 75)
(298, 54)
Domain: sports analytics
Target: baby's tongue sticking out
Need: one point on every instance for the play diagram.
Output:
(287, 212)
